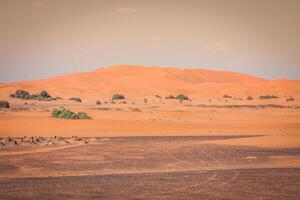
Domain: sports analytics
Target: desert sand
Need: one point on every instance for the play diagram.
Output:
(159, 116)
(140, 149)
(138, 82)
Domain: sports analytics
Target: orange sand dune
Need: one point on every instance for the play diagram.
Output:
(138, 81)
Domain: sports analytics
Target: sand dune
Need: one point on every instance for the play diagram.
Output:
(138, 81)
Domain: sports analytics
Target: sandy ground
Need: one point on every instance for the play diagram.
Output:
(159, 117)
(280, 126)
(206, 148)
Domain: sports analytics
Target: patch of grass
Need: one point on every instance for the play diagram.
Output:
(67, 114)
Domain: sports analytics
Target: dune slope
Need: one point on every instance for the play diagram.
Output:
(138, 81)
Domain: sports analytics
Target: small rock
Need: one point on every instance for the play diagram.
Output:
(4, 104)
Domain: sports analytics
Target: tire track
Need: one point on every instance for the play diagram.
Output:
(193, 156)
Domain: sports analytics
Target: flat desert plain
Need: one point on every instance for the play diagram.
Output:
(215, 145)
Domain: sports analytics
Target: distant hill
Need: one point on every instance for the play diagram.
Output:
(139, 81)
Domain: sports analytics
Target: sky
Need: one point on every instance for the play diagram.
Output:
(44, 38)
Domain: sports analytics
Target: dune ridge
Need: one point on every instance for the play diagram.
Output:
(140, 81)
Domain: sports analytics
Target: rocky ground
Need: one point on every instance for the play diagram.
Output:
(42, 141)
(150, 168)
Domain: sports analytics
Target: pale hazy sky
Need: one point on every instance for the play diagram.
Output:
(42, 38)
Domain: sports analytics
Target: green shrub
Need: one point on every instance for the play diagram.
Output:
(75, 99)
(44, 94)
(182, 97)
(268, 97)
(67, 114)
(23, 94)
(118, 97)
(83, 115)
(63, 113)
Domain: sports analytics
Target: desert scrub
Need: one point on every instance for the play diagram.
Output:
(44, 94)
(182, 97)
(83, 115)
(98, 102)
(135, 109)
(227, 96)
(102, 108)
(75, 99)
(4, 104)
(249, 98)
(67, 114)
(290, 99)
(268, 97)
(170, 97)
(118, 97)
(23, 94)
(63, 113)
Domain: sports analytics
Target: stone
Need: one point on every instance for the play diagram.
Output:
(4, 104)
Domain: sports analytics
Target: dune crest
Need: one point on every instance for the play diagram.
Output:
(139, 81)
